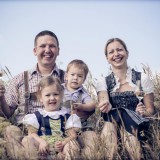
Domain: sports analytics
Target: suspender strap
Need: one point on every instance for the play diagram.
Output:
(27, 94)
(80, 97)
(61, 76)
(33, 96)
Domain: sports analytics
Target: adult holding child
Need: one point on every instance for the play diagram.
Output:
(20, 95)
(118, 102)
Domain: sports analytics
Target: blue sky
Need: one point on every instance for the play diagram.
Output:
(83, 27)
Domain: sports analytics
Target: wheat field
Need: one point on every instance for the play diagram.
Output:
(150, 148)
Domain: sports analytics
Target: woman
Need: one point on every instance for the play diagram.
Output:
(118, 101)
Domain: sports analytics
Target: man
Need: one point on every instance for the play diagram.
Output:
(20, 95)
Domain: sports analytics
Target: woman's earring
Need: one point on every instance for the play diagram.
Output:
(110, 68)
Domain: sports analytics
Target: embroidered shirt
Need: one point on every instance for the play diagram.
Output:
(15, 91)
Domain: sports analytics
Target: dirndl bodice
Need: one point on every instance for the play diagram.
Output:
(124, 104)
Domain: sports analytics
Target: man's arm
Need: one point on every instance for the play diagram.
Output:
(5, 110)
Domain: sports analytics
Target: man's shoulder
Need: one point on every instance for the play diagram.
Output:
(61, 75)
(19, 78)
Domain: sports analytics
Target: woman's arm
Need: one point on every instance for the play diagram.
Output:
(148, 99)
(149, 104)
(103, 100)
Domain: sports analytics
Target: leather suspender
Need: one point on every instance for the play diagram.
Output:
(32, 96)
(27, 94)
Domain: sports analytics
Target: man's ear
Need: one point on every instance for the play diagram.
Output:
(34, 51)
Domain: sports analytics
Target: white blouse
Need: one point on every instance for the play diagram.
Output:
(73, 120)
(146, 83)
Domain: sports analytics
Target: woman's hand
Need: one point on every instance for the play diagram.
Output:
(105, 106)
(43, 147)
(59, 146)
(141, 109)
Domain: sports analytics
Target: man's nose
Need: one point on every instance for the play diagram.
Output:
(47, 49)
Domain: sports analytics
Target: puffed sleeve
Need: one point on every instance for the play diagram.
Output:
(73, 121)
(147, 84)
(101, 85)
(31, 119)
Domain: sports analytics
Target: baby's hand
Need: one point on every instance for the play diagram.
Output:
(77, 106)
(105, 106)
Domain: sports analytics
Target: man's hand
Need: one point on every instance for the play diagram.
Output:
(2, 90)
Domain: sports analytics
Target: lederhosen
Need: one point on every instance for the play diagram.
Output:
(124, 106)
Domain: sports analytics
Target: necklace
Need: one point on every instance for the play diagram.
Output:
(123, 83)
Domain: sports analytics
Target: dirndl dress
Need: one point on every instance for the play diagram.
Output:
(123, 109)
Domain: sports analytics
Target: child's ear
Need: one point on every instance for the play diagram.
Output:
(38, 97)
(40, 100)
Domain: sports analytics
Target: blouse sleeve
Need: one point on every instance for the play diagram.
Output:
(101, 85)
(73, 121)
(31, 119)
(147, 84)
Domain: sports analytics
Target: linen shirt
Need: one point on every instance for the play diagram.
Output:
(15, 91)
(75, 96)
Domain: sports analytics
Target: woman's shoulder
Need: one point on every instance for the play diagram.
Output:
(101, 84)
